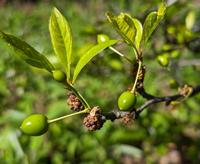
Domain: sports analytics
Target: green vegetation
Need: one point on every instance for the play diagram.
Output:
(24, 90)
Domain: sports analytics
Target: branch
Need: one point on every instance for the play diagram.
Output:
(155, 100)
(150, 100)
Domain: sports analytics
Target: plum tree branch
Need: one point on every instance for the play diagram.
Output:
(150, 101)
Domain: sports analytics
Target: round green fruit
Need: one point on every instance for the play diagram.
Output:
(163, 60)
(59, 75)
(102, 38)
(35, 125)
(175, 54)
(126, 100)
(173, 84)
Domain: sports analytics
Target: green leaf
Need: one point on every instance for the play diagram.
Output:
(90, 54)
(151, 22)
(139, 32)
(61, 39)
(129, 28)
(26, 52)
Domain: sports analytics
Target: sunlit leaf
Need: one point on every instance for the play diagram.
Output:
(190, 20)
(61, 39)
(139, 32)
(92, 52)
(129, 28)
(151, 22)
(26, 52)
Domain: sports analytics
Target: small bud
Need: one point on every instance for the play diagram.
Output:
(186, 90)
(94, 119)
(128, 118)
(74, 103)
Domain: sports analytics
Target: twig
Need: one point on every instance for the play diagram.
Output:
(157, 100)
(151, 100)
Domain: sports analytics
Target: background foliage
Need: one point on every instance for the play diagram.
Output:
(25, 90)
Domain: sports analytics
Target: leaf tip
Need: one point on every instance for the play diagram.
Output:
(162, 9)
(55, 11)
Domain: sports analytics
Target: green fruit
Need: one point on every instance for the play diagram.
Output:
(102, 38)
(59, 75)
(35, 125)
(173, 83)
(126, 100)
(163, 60)
(175, 54)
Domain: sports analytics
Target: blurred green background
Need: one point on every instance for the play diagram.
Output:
(162, 134)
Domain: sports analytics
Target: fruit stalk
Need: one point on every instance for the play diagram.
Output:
(61, 77)
(120, 54)
(137, 76)
(69, 115)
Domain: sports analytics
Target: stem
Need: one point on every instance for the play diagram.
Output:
(137, 76)
(138, 54)
(81, 98)
(86, 110)
(120, 54)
